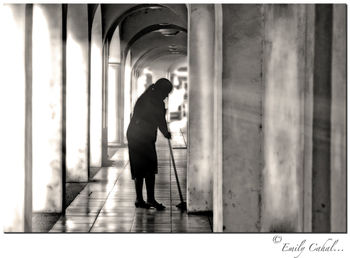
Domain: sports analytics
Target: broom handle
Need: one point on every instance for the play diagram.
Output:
(177, 179)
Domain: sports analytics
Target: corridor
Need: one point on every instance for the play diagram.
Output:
(258, 91)
(106, 204)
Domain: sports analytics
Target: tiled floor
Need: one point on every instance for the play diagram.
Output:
(107, 203)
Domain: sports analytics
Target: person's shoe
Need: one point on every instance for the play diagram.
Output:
(142, 204)
(157, 205)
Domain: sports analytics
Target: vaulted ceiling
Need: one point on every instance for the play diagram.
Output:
(155, 34)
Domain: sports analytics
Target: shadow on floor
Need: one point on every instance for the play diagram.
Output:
(43, 222)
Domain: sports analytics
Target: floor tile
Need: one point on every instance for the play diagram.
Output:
(106, 204)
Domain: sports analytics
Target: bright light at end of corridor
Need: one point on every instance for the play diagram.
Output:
(147, 71)
(176, 81)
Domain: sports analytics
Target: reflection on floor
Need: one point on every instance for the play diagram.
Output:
(107, 203)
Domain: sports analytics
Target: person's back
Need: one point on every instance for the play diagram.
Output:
(148, 116)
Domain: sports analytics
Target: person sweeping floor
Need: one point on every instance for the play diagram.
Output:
(148, 116)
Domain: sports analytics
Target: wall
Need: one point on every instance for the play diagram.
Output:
(284, 113)
(241, 115)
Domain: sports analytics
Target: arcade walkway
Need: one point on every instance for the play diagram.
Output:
(107, 203)
(73, 72)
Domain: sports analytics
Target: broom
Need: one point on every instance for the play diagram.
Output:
(181, 205)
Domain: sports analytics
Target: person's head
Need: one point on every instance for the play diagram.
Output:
(163, 87)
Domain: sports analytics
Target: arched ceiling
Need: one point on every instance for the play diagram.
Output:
(114, 14)
(145, 18)
(167, 30)
(152, 32)
(153, 56)
(155, 40)
(167, 63)
(180, 62)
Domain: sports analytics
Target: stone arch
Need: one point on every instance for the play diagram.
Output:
(133, 9)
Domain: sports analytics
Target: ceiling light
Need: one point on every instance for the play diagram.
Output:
(168, 32)
(155, 7)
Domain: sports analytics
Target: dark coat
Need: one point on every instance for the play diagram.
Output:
(148, 116)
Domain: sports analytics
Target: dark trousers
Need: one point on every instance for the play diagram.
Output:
(150, 182)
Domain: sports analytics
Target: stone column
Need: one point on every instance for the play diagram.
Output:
(121, 96)
(15, 95)
(96, 91)
(105, 106)
(114, 60)
(47, 108)
(338, 121)
(201, 38)
(121, 104)
(133, 90)
(308, 116)
(242, 117)
(321, 138)
(77, 67)
(217, 124)
(127, 93)
(113, 92)
(283, 118)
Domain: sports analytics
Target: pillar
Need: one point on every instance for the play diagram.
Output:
(308, 116)
(16, 116)
(201, 40)
(338, 121)
(96, 91)
(134, 92)
(217, 125)
(283, 118)
(127, 94)
(104, 153)
(47, 108)
(113, 92)
(321, 151)
(121, 97)
(242, 117)
(113, 88)
(77, 67)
